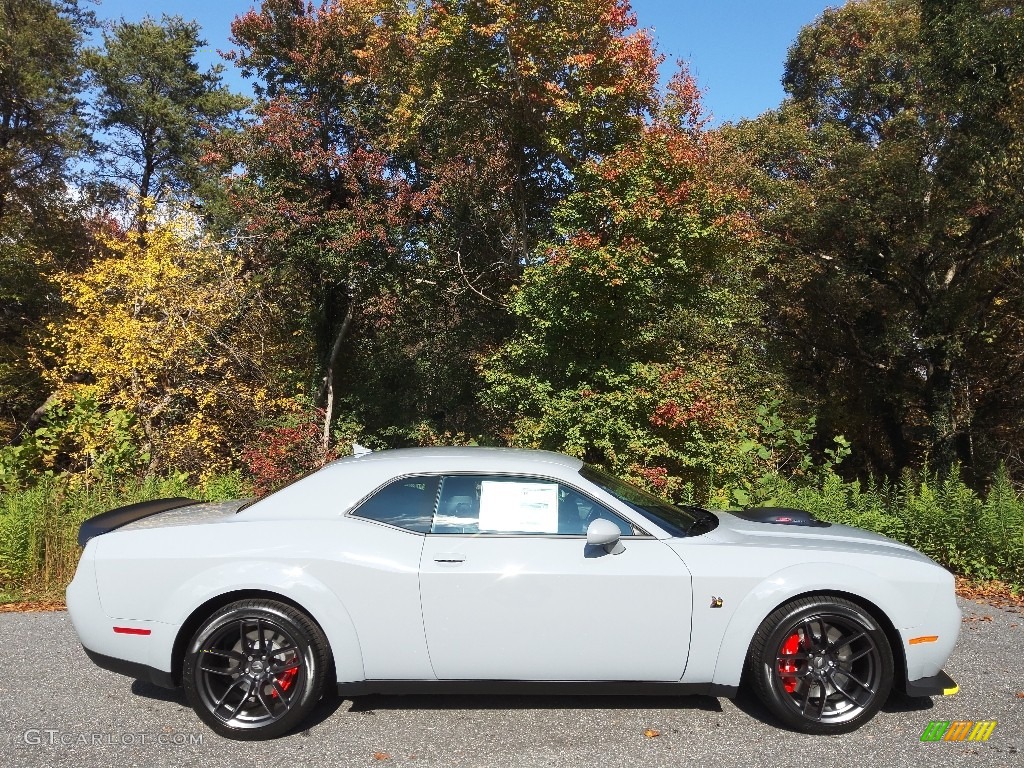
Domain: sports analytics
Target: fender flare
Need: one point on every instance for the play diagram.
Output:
(785, 585)
(290, 582)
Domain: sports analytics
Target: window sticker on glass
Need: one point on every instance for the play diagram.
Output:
(518, 507)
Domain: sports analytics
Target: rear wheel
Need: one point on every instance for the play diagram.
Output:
(255, 669)
(821, 665)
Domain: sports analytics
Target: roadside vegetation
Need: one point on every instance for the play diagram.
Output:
(39, 524)
(487, 221)
(978, 537)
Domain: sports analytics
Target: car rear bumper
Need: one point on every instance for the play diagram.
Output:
(132, 669)
(130, 647)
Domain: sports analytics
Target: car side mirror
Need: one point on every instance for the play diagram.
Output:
(606, 534)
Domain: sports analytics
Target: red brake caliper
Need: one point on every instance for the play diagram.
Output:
(285, 680)
(789, 668)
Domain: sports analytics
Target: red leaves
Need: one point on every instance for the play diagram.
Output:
(284, 453)
(658, 478)
(671, 414)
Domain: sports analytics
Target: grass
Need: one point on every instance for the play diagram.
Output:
(977, 536)
(39, 525)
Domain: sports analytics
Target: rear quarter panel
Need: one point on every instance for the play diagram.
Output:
(358, 581)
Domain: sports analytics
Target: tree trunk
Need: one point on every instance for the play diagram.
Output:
(148, 169)
(329, 377)
(33, 420)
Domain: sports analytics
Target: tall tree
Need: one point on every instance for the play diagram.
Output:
(636, 341)
(41, 132)
(892, 182)
(156, 107)
(407, 160)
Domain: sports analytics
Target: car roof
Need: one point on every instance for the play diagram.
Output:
(344, 482)
(487, 456)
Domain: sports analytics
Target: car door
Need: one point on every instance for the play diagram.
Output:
(511, 591)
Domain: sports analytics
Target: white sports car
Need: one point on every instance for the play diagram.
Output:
(486, 569)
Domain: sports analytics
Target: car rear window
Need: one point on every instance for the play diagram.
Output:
(405, 503)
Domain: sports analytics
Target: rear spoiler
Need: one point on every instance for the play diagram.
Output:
(115, 518)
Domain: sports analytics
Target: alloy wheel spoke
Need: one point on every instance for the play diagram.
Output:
(816, 640)
(823, 691)
(241, 702)
(259, 646)
(860, 655)
(218, 671)
(233, 655)
(238, 681)
(267, 705)
(859, 682)
(807, 698)
(287, 666)
(282, 649)
(843, 691)
(842, 642)
(784, 658)
(281, 694)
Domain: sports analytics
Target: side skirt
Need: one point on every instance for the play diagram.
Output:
(534, 688)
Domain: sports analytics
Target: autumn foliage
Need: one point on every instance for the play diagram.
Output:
(491, 221)
(170, 330)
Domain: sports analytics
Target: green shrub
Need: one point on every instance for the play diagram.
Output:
(39, 524)
(977, 536)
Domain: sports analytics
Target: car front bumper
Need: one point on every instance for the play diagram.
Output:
(937, 685)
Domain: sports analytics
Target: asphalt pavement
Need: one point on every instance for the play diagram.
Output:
(60, 710)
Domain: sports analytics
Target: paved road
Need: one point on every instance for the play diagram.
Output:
(55, 704)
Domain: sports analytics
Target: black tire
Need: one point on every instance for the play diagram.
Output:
(255, 669)
(822, 665)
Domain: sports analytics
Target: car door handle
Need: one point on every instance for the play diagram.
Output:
(449, 557)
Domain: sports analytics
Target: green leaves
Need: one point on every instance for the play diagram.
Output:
(890, 185)
(155, 108)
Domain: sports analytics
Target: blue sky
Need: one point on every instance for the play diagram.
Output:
(736, 48)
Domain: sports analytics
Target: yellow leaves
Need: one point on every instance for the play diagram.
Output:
(157, 326)
(650, 733)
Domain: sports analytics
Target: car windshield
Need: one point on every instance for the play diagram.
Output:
(675, 520)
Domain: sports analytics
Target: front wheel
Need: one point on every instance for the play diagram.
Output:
(821, 665)
(255, 669)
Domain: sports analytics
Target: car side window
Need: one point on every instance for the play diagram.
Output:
(493, 504)
(406, 503)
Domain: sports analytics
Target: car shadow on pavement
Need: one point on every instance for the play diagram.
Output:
(149, 691)
(326, 708)
(748, 703)
(900, 702)
(372, 702)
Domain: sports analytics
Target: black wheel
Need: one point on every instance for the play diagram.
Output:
(821, 665)
(255, 669)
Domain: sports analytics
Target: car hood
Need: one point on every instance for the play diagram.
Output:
(193, 514)
(834, 537)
